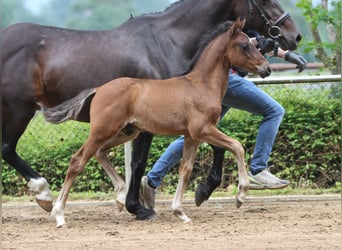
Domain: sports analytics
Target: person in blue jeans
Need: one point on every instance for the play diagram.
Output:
(244, 95)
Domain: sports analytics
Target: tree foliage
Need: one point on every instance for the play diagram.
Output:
(79, 14)
(106, 14)
(324, 21)
(14, 11)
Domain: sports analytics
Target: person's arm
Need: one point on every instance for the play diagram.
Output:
(266, 45)
(294, 58)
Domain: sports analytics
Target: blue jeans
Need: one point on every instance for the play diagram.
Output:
(241, 94)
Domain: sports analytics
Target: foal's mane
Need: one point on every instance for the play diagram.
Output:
(206, 39)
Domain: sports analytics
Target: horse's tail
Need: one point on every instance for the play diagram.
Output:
(68, 110)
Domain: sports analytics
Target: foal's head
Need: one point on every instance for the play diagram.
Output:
(241, 52)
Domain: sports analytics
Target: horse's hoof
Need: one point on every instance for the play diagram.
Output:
(201, 194)
(152, 217)
(146, 214)
(120, 205)
(46, 205)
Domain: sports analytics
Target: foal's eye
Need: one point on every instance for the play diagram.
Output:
(245, 46)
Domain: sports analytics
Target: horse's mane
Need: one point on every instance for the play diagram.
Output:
(206, 39)
(172, 5)
(157, 12)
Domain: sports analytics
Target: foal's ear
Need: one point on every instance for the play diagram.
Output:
(238, 26)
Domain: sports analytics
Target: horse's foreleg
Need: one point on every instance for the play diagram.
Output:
(185, 170)
(77, 163)
(214, 136)
(141, 146)
(11, 132)
(206, 188)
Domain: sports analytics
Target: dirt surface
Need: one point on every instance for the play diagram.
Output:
(282, 222)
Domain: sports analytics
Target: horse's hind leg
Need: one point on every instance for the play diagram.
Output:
(206, 188)
(15, 120)
(185, 170)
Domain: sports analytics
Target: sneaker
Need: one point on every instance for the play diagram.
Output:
(266, 180)
(147, 193)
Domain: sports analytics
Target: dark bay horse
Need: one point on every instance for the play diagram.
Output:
(50, 65)
(188, 105)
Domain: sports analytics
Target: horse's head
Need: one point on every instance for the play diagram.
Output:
(241, 52)
(269, 18)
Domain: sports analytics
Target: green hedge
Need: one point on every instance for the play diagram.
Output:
(306, 151)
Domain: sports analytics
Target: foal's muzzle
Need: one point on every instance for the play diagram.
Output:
(264, 70)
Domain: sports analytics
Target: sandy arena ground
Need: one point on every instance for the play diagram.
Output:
(281, 222)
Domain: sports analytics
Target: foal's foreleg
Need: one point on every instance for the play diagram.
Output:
(185, 170)
(214, 136)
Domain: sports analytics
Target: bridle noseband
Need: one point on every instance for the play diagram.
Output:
(274, 31)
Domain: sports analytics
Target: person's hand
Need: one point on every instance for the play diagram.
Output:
(265, 44)
(293, 57)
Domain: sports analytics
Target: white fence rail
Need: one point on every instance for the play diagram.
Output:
(297, 79)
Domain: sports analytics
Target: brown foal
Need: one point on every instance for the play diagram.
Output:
(189, 105)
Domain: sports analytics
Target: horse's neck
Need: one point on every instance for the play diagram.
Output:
(212, 66)
(193, 18)
(202, 13)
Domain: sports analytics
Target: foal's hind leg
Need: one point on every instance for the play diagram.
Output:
(185, 170)
(118, 182)
(77, 163)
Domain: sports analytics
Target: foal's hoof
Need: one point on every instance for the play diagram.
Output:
(238, 204)
(201, 194)
(146, 214)
(60, 224)
(120, 205)
(59, 216)
(46, 205)
(182, 216)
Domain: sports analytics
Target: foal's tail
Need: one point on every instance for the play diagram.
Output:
(68, 110)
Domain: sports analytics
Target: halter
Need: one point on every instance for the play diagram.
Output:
(274, 30)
